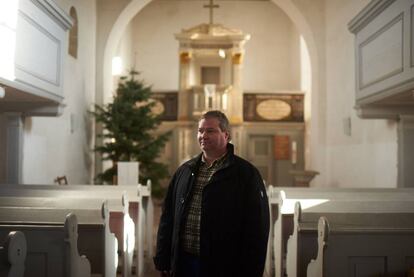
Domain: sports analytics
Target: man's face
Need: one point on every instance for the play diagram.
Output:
(210, 136)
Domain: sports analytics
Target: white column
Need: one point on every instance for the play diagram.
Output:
(406, 151)
(11, 148)
(184, 85)
(236, 93)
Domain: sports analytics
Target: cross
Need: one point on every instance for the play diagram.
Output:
(211, 6)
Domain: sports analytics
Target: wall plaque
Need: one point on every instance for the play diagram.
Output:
(158, 108)
(282, 147)
(166, 105)
(273, 107)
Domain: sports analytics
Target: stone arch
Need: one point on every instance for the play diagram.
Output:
(313, 130)
(114, 37)
(304, 28)
(73, 34)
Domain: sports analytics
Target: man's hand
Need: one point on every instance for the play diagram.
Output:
(165, 273)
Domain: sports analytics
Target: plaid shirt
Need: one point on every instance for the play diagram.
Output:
(190, 237)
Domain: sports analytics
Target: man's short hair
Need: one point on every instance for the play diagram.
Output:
(222, 118)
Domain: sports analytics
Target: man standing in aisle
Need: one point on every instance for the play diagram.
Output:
(215, 217)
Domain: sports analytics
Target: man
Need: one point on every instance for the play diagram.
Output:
(215, 218)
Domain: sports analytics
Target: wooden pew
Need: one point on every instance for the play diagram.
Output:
(140, 208)
(127, 235)
(283, 199)
(51, 244)
(134, 194)
(101, 247)
(370, 217)
(13, 255)
(377, 247)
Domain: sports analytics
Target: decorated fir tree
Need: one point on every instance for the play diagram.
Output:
(128, 132)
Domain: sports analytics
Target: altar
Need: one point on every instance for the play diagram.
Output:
(210, 78)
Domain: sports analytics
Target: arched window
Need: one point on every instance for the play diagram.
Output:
(73, 34)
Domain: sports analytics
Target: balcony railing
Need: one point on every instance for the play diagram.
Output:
(209, 97)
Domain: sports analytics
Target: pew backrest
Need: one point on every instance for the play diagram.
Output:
(95, 239)
(283, 199)
(359, 250)
(351, 215)
(141, 206)
(51, 247)
(13, 255)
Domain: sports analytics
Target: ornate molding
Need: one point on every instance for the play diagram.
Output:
(55, 12)
(372, 39)
(365, 16)
(185, 57)
(33, 108)
(237, 58)
(207, 34)
(383, 112)
(52, 80)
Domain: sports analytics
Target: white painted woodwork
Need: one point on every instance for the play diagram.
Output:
(128, 239)
(406, 151)
(372, 215)
(51, 241)
(107, 252)
(384, 58)
(36, 46)
(373, 248)
(384, 51)
(78, 265)
(13, 254)
(90, 223)
(68, 195)
(128, 173)
(283, 199)
(11, 148)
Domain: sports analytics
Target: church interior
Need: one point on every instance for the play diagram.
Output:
(319, 95)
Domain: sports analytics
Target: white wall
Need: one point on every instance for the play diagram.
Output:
(272, 55)
(125, 51)
(368, 157)
(51, 147)
(107, 11)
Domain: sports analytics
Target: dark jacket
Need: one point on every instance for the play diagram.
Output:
(234, 224)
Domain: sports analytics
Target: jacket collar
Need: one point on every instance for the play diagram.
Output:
(195, 162)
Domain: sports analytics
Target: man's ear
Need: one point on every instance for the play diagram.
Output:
(228, 136)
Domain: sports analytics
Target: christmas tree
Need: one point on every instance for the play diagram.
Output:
(128, 132)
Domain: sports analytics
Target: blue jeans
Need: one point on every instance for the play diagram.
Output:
(188, 266)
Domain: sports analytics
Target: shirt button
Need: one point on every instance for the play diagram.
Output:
(182, 200)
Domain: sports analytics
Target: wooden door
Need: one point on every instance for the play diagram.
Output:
(260, 154)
